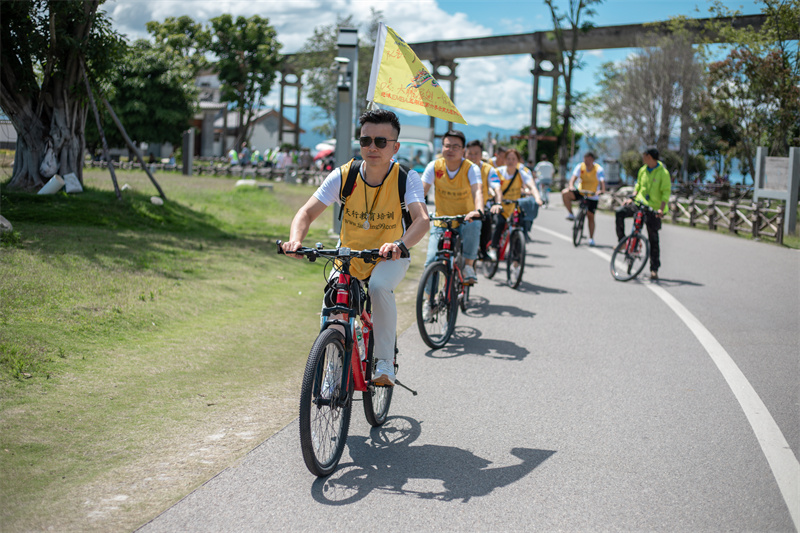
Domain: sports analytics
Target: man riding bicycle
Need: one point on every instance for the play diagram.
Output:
(490, 188)
(592, 178)
(372, 218)
(458, 192)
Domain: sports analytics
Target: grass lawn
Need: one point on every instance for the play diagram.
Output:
(145, 348)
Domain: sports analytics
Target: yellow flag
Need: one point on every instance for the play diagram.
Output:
(399, 79)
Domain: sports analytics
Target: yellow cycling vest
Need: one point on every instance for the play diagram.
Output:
(453, 196)
(486, 168)
(588, 179)
(381, 205)
(514, 190)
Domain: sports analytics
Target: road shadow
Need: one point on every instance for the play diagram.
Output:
(663, 282)
(467, 341)
(480, 306)
(388, 462)
(527, 287)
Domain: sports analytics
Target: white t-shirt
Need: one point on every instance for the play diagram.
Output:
(474, 174)
(546, 170)
(328, 192)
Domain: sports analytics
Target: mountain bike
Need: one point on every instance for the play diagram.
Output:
(441, 288)
(580, 218)
(340, 362)
(511, 249)
(631, 254)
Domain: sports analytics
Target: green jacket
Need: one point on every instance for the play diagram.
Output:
(654, 186)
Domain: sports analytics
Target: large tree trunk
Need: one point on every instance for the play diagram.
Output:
(56, 111)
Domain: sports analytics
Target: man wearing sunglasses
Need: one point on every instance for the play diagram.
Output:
(458, 187)
(372, 218)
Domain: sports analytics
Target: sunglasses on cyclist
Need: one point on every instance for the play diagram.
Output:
(380, 142)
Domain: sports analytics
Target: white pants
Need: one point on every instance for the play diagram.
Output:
(385, 278)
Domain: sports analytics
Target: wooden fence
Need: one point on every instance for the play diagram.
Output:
(760, 219)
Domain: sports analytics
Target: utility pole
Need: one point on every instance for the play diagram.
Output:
(346, 64)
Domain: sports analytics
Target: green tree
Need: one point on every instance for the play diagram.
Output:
(184, 37)
(45, 45)
(570, 60)
(152, 92)
(756, 88)
(316, 58)
(247, 61)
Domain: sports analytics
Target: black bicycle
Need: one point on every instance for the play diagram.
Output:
(580, 218)
(442, 288)
(341, 361)
(511, 249)
(631, 254)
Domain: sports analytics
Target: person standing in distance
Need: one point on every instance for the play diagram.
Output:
(593, 178)
(545, 171)
(653, 187)
(372, 218)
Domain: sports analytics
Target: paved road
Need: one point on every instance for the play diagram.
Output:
(575, 403)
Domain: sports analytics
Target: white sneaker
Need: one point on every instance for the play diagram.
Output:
(492, 254)
(426, 310)
(570, 217)
(591, 242)
(515, 271)
(384, 373)
(469, 274)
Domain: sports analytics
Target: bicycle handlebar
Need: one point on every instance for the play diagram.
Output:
(449, 220)
(369, 256)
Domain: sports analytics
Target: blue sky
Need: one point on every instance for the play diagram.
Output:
(493, 91)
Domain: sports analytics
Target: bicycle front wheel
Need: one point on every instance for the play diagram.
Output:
(377, 399)
(515, 260)
(437, 305)
(629, 257)
(324, 417)
(577, 228)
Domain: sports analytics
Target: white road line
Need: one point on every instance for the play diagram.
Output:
(785, 466)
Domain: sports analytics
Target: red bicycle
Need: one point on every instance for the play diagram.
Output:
(340, 362)
(511, 249)
(442, 288)
(631, 254)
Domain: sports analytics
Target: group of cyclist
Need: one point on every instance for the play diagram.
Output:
(383, 207)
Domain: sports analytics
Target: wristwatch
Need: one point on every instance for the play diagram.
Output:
(403, 250)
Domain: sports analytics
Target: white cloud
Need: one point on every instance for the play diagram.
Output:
(491, 90)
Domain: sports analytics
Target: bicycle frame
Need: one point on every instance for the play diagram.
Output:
(513, 223)
(344, 286)
(447, 252)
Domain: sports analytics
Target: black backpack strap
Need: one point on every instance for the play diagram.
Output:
(516, 173)
(349, 184)
(401, 189)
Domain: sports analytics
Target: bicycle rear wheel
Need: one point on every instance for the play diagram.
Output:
(577, 228)
(516, 255)
(489, 267)
(324, 419)
(377, 399)
(629, 257)
(437, 305)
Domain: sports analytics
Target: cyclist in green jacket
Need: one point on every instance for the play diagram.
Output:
(653, 187)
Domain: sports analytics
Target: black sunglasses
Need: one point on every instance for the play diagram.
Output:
(380, 142)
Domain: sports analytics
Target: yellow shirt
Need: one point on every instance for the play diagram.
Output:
(453, 196)
(381, 206)
(588, 179)
(514, 190)
(486, 168)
